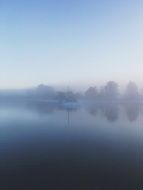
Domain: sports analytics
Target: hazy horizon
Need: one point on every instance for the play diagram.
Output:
(71, 94)
(75, 88)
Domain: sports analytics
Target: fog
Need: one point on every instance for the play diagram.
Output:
(110, 91)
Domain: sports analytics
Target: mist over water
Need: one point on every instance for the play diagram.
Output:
(89, 146)
(52, 138)
(70, 118)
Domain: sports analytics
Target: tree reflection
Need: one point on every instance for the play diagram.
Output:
(132, 110)
(42, 107)
(50, 108)
(92, 109)
(111, 112)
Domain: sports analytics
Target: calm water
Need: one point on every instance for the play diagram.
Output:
(44, 146)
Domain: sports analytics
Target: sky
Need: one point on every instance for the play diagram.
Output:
(70, 42)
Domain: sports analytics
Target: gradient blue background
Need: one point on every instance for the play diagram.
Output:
(59, 42)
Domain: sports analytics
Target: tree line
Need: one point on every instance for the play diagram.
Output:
(109, 92)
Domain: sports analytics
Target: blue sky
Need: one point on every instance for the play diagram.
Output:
(62, 42)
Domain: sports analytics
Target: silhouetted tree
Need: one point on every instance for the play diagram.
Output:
(91, 93)
(44, 91)
(102, 93)
(110, 91)
(61, 97)
(70, 96)
(78, 95)
(66, 97)
(131, 91)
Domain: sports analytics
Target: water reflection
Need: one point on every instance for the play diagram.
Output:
(112, 110)
(92, 109)
(41, 107)
(132, 111)
(50, 107)
(84, 156)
